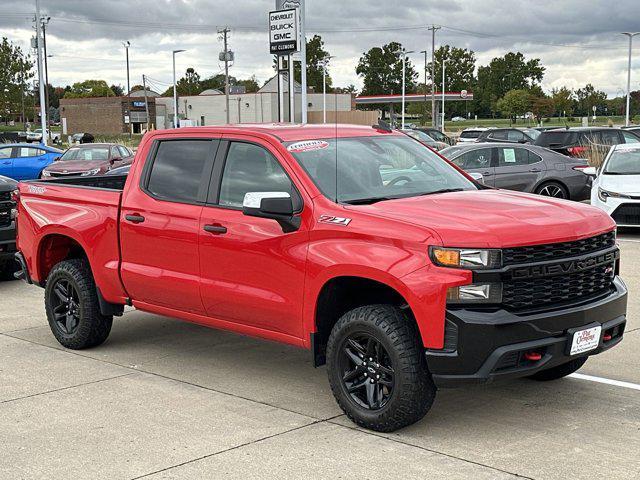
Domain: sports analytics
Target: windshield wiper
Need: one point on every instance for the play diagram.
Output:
(444, 190)
(368, 201)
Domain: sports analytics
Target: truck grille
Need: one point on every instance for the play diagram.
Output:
(557, 251)
(627, 214)
(544, 292)
(561, 289)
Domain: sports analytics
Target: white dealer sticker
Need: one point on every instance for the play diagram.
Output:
(307, 146)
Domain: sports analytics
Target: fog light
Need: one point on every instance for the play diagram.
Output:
(475, 293)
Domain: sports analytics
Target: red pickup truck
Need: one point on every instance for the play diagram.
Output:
(390, 265)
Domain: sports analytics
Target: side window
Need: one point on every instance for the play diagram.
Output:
(115, 153)
(177, 169)
(5, 152)
(24, 152)
(515, 136)
(630, 137)
(608, 137)
(509, 157)
(533, 158)
(480, 158)
(123, 151)
(499, 135)
(250, 168)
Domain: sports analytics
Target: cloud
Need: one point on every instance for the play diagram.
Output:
(578, 42)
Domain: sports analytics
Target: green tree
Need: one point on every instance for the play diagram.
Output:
(190, 83)
(89, 88)
(588, 97)
(15, 73)
(250, 84)
(459, 74)
(562, 101)
(118, 90)
(510, 72)
(381, 72)
(542, 106)
(515, 103)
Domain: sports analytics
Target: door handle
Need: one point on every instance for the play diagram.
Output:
(535, 170)
(6, 163)
(486, 174)
(134, 218)
(216, 229)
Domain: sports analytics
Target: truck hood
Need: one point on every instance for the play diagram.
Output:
(496, 218)
(7, 184)
(76, 166)
(627, 184)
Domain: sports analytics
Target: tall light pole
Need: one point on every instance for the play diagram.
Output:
(126, 46)
(45, 22)
(404, 54)
(424, 119)
(325, 62)
(444, 66)
(43, 112)
(630, 35)
(175, 92)
(433, 29)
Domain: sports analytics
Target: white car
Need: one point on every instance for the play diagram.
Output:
(36, 136)
(616, 187)
(470, 135)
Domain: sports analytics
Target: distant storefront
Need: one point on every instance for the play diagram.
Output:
(106, 115)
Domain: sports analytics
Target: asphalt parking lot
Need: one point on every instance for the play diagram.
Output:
(166, 399)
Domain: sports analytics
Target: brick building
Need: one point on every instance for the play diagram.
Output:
(105, 115)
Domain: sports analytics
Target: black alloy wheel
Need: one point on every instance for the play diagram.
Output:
(65, 304)
(367, 373)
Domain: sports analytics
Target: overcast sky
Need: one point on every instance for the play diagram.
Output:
(578, 41)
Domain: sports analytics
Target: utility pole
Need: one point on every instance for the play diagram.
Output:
(444, 66)
(325, 62)
(146, 100)
(424, 119)
(45, 22)
(126, 46)
(225, 32)
(404, 54)
(630, 35)
(176, 122)
(433, 29)
(43, 113)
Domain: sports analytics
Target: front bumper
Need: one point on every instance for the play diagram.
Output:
(614, 205)
(485, 345)
(7, 242)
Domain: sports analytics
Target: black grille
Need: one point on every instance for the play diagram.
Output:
(558, 290)
(627, 214)
(556, 251)
(6, 204)
(5, 196)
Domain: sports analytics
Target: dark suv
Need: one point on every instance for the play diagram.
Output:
(509, 135)
(7, 227)
(575, 142)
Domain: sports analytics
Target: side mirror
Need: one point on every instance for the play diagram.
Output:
(591, 171)
(56, 159)
(277, 206)
(524, 140)
(477, 176)
(114, 160)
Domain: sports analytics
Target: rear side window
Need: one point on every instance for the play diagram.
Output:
(29, 152)
(608, 137)
(177, 169)
(630, 137)
(250, 168)
(508, 157)
(470, 134)
(499, 135)
(479, 158)
(5, 152)
(557, 139)
(124, 152)
(515, 136)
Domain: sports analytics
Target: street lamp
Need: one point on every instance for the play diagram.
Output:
(424, 120)
(444, 66)
(175, 94)
(404, 54)
(630, 35)
(126, 46)
(325, 62)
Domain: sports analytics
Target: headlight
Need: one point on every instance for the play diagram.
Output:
(95, 171)
(476, 293)
(604, 194)
(471, 258)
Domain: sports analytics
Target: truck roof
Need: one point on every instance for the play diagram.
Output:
(287, 132)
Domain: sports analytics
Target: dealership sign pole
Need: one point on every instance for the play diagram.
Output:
(284, 41)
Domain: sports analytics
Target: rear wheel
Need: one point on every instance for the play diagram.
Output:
(552, 189)
(72, 306)
(377, 370)
(560, 371)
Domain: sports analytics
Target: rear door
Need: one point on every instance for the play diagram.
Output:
(6, 161)
(28, 162)
(478, 160)
(517, 169)
(252, 272)
(160, 224)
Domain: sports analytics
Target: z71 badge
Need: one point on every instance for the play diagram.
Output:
(334, 220)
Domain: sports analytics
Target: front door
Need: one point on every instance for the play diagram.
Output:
(160, 225)
(6, 161)
(28, 163)
(252, 272)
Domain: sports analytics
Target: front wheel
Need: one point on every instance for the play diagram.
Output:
(73, 309)
(377, 370)
(560, 371)
(552, 189)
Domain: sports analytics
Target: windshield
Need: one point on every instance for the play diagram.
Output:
(533, 133)
(451, 152)
(375, 168)
(624, 162)
(418, 135)
(93, 153)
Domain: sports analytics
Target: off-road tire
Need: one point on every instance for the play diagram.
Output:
(93, 328)
(413, 392)
(560, 371)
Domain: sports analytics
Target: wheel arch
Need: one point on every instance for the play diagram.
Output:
(548, 180)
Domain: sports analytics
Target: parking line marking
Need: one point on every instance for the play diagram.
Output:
(608, 381)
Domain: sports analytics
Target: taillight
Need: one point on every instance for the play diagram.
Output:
(575, 151)
(580, 168)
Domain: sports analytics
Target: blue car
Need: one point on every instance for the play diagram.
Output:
(25, 161)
